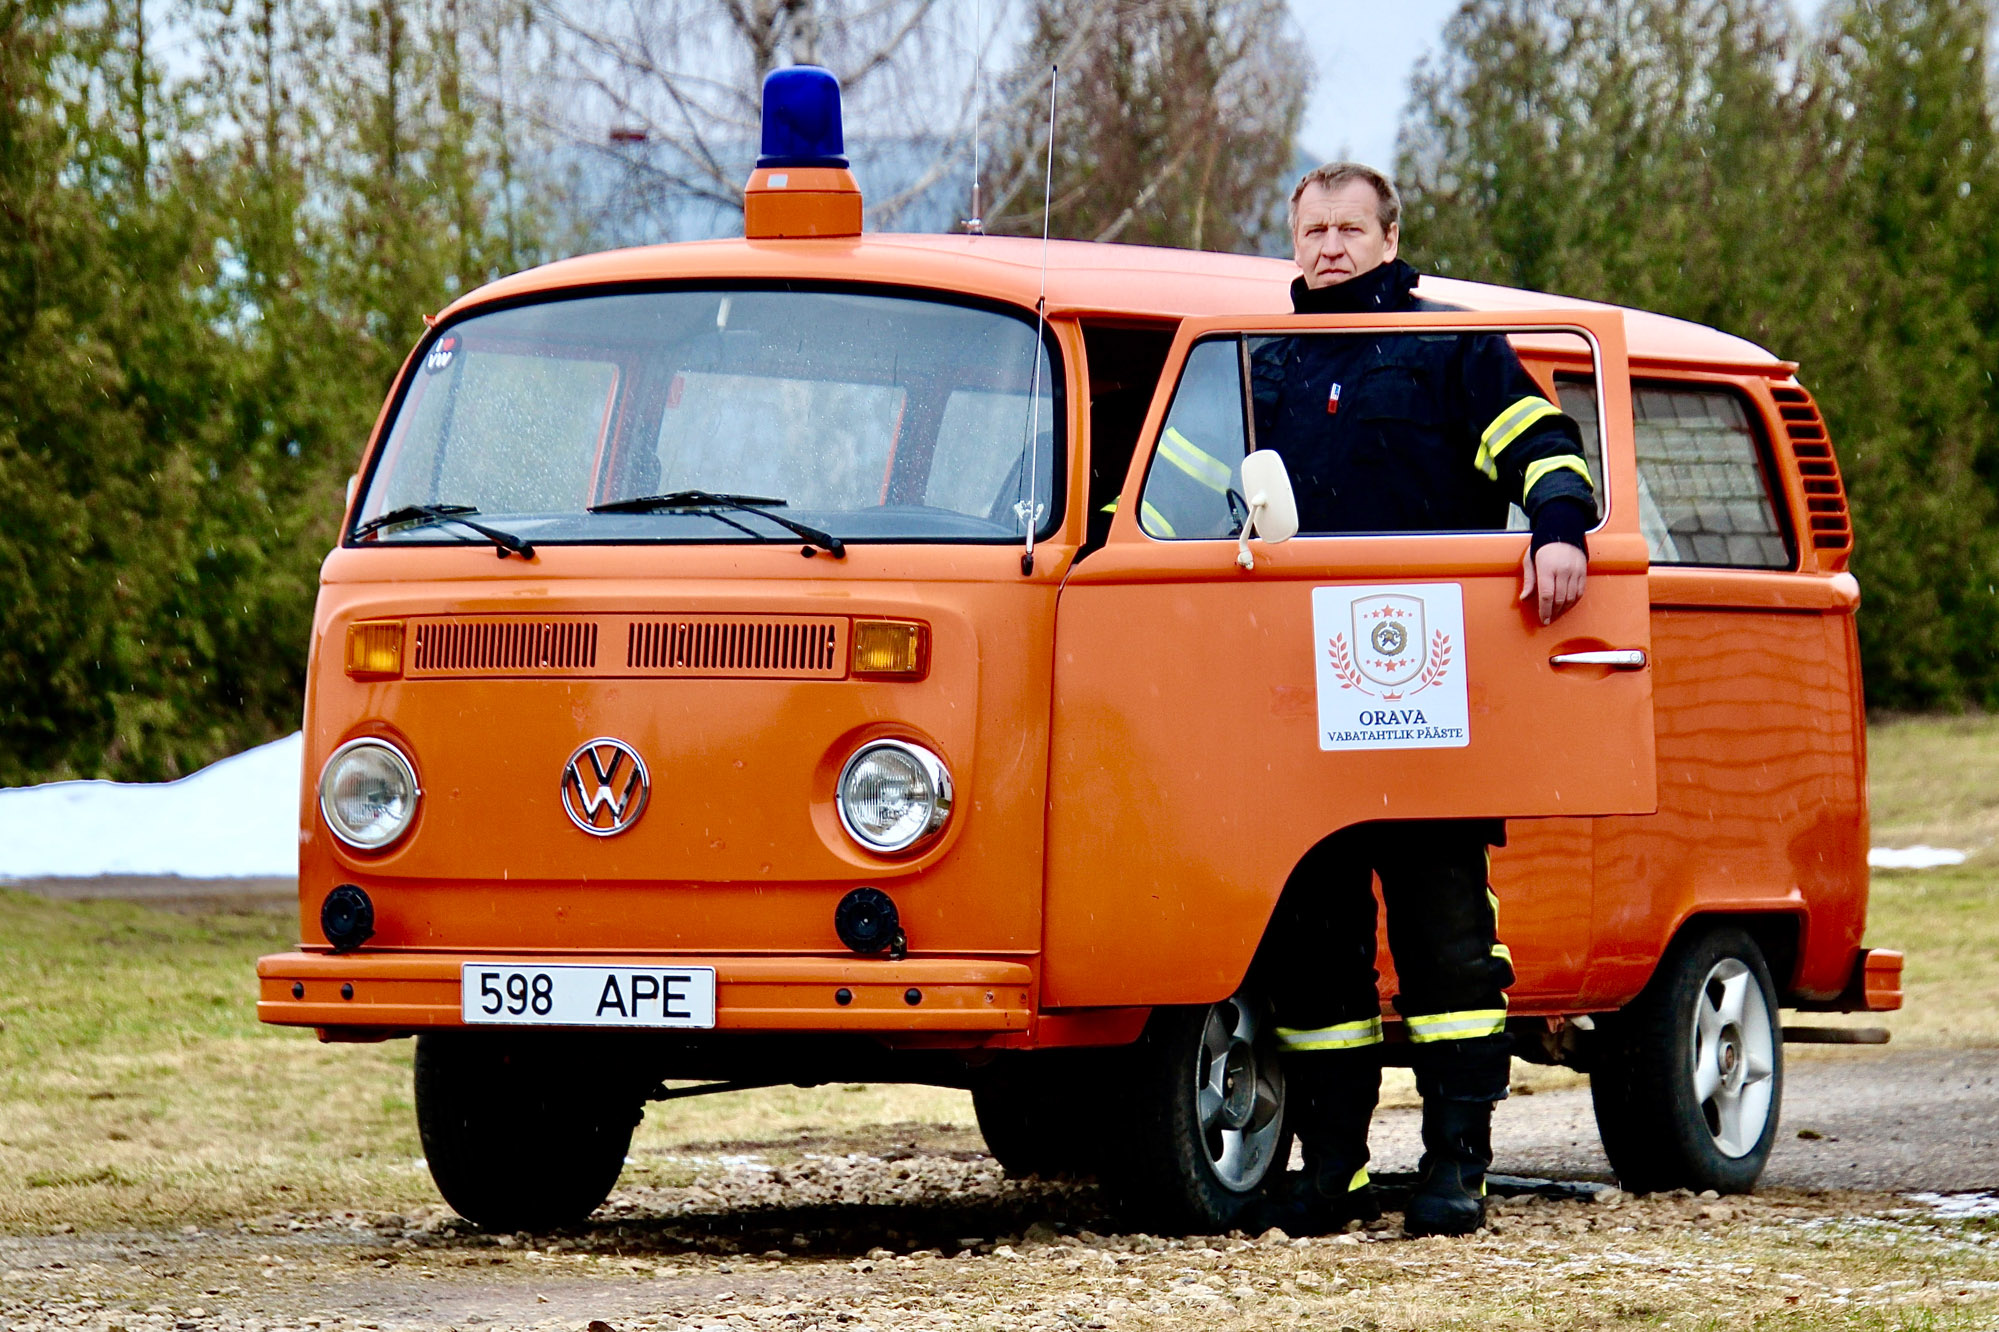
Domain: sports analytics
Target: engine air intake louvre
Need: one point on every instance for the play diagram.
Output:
(807, 647)
(795, 647)
(1827, 520)
(503, 645)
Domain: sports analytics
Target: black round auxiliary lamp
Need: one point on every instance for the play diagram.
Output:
(347, 917)
(867, 922)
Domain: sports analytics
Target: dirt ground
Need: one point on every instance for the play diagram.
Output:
(912, 1226)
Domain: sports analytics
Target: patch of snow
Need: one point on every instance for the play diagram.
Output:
(234, 819)
(1959, 1204)
(1913, 857)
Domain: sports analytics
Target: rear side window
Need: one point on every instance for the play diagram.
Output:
(1704, 495)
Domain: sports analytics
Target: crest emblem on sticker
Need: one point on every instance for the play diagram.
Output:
(1390, 667)
(1389, 634)
(441, 354)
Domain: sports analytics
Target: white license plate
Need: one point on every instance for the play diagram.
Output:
(568, 995)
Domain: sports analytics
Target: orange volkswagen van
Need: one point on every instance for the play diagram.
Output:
(796, 658)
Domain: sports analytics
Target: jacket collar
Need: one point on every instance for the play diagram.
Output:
(1382, 290)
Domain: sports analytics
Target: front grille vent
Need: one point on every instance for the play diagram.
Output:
(1826, 516)
(795, 647)
(504, 645)
(720, 645)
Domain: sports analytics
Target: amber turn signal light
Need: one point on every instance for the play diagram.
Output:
(891, 650)
(375, 649)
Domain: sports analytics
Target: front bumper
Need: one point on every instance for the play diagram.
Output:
(393, 993)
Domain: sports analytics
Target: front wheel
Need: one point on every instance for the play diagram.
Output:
(1689, 1079)
(1207, 1122)
(521, 1131)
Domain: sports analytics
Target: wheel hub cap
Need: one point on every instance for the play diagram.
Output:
(1238, 1085)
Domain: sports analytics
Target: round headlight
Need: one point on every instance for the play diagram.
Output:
(368, 793)
(893, 795)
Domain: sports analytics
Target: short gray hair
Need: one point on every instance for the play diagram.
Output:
(1332, 175)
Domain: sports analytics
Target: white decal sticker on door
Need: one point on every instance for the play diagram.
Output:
(1391, 666)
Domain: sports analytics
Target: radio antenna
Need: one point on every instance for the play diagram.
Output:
(975, 225)
(1040, 327)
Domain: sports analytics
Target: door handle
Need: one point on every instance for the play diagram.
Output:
(1618, 659)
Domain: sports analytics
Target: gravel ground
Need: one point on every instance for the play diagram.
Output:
(912, 1226)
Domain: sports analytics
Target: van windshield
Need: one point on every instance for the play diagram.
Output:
(869, 417)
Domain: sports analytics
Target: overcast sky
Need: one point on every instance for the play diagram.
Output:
(1363, 52)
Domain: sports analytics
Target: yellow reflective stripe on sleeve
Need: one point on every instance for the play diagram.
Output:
(1360, 1180)
(1154, 521)
(1341, 1036)
(1501, 951)
(1539, 469)
(1109, 508)
(1465, 1025)
(1184, 454)
(1507, 427)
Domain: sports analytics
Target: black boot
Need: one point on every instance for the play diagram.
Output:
(1332, 1094)
(1457, 1149)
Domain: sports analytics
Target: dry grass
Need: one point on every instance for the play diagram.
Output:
(1935, 781)
(138, 1088)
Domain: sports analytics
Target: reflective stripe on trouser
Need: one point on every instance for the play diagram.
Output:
(1317, 957)
(1466, 1025)
(1339, 1036)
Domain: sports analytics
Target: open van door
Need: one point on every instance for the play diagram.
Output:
(1213, 722)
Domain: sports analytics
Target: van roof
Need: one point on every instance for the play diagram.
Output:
(1134, 282)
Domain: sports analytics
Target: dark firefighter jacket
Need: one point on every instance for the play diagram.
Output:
(1415, 432)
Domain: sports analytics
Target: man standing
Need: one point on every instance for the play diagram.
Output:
(1398, 433)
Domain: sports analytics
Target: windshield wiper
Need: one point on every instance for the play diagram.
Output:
(446, 513)
(694, 500)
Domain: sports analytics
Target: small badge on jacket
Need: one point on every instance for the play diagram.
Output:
(1333, 401)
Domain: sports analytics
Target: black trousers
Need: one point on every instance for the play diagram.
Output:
(1318, 958)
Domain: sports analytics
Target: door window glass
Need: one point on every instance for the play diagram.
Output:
(1380, 432)
(1194, 485)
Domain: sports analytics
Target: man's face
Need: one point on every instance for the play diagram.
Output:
(1338, 234)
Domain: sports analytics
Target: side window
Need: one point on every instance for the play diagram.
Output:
(1193, 487)
(1704, 493)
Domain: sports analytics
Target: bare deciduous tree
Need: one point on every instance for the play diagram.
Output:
(1175, 126)
(670, 93)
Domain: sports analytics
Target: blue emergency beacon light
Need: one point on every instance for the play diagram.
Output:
(801, 188)
(801, 126)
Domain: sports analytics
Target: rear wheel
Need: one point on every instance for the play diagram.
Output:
(520, 1132)
(1206, 1118)
(1688, 1080)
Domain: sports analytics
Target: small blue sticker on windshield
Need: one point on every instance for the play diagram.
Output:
(441, 354)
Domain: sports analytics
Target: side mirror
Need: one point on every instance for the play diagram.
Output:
(1273, 508)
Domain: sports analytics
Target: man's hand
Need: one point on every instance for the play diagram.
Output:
(1555, 574)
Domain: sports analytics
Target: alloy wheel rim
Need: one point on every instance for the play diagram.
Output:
(1238, 1096)
(1734, 1057)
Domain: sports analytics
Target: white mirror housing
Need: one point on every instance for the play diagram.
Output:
(1273, 508)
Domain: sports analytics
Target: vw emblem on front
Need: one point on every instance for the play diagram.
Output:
(604, 787)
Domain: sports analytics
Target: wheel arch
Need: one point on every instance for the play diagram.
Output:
(1777, 931)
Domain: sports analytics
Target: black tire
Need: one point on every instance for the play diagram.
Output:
(1040, 1112)
(521, 1132)
(1653, 1063)
(1170, 1172)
